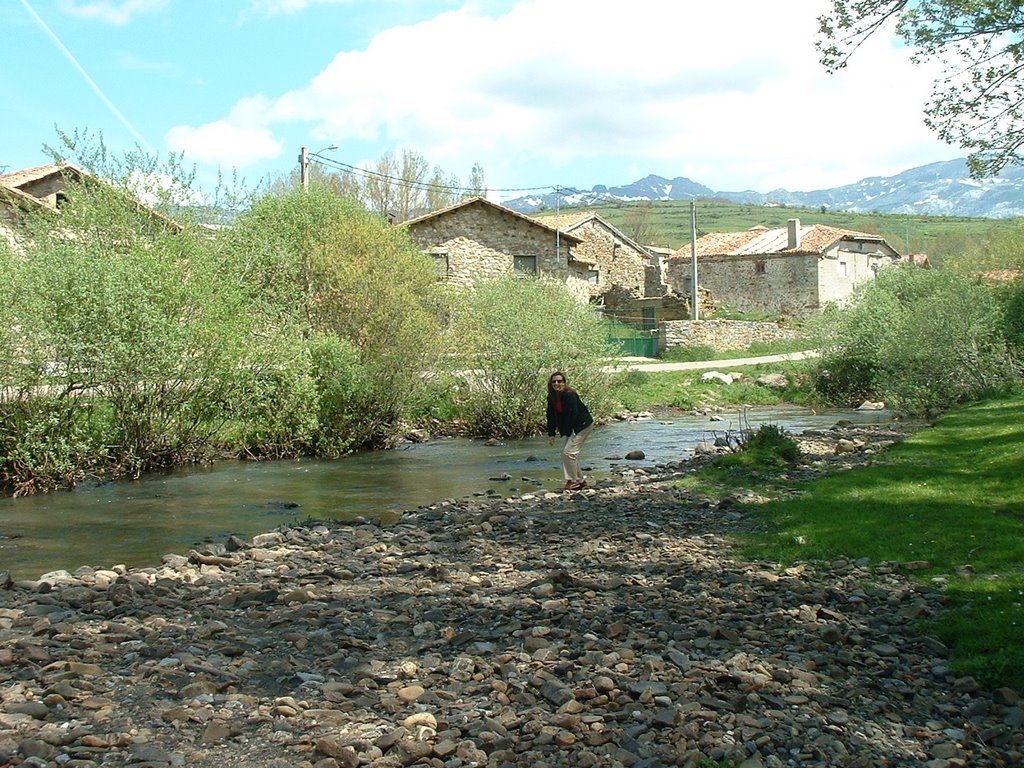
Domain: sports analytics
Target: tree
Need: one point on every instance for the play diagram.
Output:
(129, 344)
(477, 186)
(979, 103)
(442, 190)
(638, 225)
(363, 292)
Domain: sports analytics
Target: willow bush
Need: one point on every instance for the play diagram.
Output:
(123, 322)
(508, 334)
(365, 298)
(918, 339)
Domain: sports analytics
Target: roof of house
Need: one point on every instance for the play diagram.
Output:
(998, 276)
(566, 222)
(478, 200)
(23, 200)
(761, 241)
(11, 189)
(17, 179)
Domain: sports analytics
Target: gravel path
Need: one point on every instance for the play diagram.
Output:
(613, 627)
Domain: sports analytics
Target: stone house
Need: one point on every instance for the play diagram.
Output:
(621, 262)
(476, 239)
(27, 191)
(793, 270)
(45, 188)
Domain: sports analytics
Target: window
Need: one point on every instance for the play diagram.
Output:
(524, 265)
(760, 267)
(842, 269)
(440, 259)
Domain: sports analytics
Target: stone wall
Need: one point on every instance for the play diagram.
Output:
(720, 335)
(776, 284)
(621, 264)
(10, 229)
(481, 242)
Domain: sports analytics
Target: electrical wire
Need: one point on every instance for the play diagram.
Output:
(558, 189)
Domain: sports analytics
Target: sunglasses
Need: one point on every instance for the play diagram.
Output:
(558, 381)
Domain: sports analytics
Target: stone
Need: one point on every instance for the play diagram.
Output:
(718, 376)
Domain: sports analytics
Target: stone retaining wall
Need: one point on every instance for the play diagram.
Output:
(720, 335)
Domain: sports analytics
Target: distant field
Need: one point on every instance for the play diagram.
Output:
(668, 222)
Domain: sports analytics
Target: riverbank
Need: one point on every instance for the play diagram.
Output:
(488, 631)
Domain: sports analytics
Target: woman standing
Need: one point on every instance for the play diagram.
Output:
(568, 414)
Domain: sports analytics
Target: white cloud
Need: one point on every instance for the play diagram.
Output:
(117, 13)
(730, 94)
(236, 142)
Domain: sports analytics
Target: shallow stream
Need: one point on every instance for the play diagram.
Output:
(135, 523)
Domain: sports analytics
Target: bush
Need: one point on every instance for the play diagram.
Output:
(125, 319)
(769, 446)
(345, 391)
(917, 339)
(320, 260)
(508, 335)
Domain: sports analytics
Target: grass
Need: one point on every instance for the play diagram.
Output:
(685, 390)
(951, 496)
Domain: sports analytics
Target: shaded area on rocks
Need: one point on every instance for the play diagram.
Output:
(611, 627)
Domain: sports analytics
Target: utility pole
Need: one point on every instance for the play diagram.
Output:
(558, 230)
(304, 168)
(694, 296)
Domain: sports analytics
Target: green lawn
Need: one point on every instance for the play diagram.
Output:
(684, 390)
(952, 496)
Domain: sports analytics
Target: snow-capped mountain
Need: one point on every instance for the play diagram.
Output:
(938, 189)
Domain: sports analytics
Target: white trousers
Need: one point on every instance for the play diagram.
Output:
(571, 454)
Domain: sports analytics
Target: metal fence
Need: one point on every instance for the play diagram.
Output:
(635, 346)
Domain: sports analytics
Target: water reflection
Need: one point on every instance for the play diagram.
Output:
(135, 523)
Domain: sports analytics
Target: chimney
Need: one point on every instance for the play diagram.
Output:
(794, 233)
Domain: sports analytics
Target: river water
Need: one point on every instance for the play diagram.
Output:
(135, 523)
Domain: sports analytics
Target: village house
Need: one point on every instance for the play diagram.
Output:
(621, 262)
(792, 271)
(45, 189)
(476, 239)
(26, 191)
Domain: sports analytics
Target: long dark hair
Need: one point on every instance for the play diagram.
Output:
(551, 389)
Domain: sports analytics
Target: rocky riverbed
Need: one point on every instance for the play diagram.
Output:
(612, 627)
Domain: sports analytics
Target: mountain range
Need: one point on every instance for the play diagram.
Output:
(937, 189)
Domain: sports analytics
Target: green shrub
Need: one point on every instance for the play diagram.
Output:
(917, 339)
(689, 354)
(508, 335)
(769, 446)
(345, 391)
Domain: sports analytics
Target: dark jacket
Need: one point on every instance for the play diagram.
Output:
(574, 417)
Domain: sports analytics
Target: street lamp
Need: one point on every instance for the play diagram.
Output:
(304, 162)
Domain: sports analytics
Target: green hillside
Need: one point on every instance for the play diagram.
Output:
(667, 223)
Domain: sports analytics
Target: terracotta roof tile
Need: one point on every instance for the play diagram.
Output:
(564, 220)
(20, 178)
(998, 276)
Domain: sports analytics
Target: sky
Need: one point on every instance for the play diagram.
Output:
(540, 93)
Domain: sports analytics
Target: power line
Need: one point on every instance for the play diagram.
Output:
(558, 189)
(346, 168)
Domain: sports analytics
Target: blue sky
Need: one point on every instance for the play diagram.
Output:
(539, 92)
